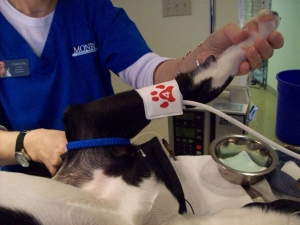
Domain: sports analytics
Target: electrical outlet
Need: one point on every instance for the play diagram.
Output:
(176, 7)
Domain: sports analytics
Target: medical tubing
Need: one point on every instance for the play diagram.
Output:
(242, 126)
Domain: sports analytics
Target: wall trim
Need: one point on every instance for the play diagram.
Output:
(272, 91)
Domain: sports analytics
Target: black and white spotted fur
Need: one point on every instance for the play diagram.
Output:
(114, 185)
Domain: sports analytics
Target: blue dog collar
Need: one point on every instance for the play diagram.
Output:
(97, 143)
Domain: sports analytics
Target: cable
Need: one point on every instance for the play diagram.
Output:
(244, 127)
(136, 137)
(190, 206)
(164, 142)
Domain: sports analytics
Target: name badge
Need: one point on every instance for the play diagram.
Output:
(14, 68)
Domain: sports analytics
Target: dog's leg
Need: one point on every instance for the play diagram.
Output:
(210, 79)
(120, 115)
(114, 115)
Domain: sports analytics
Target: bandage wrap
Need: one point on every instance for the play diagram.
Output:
(162, 100)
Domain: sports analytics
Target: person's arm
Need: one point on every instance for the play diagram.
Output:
(215, 44)
(7, 147)
(41, 145)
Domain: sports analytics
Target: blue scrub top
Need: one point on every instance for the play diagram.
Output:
(87, 38)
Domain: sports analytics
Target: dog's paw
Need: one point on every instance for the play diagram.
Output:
(203, 84)
(267, 21)
(211, 78)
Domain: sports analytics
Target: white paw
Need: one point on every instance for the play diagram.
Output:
(210, 79)
(267, 21)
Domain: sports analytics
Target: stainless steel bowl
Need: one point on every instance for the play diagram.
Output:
(231, 145)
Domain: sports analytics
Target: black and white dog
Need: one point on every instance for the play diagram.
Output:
(112, 184)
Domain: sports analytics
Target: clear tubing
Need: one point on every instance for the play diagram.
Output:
(244, 127)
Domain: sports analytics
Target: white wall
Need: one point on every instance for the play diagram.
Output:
(173, 36)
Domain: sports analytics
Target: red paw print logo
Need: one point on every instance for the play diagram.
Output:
(165, 94)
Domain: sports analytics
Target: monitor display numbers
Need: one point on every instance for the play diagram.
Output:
(184, 132)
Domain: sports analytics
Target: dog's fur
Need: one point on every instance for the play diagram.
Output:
(114, 185)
